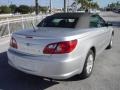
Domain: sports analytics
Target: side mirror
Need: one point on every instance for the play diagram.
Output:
(108, 24)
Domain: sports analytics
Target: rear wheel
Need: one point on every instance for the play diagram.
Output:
(88, 66)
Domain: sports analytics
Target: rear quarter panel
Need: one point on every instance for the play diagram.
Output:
(97, 37)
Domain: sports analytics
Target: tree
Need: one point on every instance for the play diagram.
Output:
(84, 3)
(113, 6)
(24, 9)
(88, 4)
(13, 8)
(94, 5)
(32, 9)
(43, 9)
(5, 10)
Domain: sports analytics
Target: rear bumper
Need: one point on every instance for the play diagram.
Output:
(45, 66)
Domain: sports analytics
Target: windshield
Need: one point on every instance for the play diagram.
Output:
(62, 22)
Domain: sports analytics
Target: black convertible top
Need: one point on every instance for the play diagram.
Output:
(70, 14)
(83, 18)
(64, 20)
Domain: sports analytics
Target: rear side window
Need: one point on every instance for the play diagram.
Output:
(58, 22)
(96, 21)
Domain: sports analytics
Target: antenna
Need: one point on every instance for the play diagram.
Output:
(33, 27)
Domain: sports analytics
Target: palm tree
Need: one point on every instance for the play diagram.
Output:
(84, 3)
(88, 4)
(96, 5)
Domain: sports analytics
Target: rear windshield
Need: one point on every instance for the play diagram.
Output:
(62, 22)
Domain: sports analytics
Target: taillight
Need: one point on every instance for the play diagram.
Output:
(60, 47)
(13, 43)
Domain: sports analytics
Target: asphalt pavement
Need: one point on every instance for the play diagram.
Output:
(111, 17)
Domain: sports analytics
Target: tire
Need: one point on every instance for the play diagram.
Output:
(88, 66)
(110, 44)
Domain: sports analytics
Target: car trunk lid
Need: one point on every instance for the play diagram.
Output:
(34, 42)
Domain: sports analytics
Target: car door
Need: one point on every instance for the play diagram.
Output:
(101, 38)
(107, 31)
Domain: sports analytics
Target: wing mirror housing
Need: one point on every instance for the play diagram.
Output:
(108, 24)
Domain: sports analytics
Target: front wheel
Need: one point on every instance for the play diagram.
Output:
(88, 66)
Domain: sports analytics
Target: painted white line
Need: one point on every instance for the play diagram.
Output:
(5, 42)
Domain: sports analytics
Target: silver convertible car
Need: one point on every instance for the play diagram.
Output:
(61, 46)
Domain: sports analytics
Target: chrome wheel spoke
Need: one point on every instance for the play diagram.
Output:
(89, 64)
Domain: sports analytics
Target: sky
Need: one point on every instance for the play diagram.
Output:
(55, 3)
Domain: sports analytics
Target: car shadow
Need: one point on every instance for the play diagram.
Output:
(74, 78)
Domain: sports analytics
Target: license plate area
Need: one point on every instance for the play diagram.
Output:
(29, 48)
